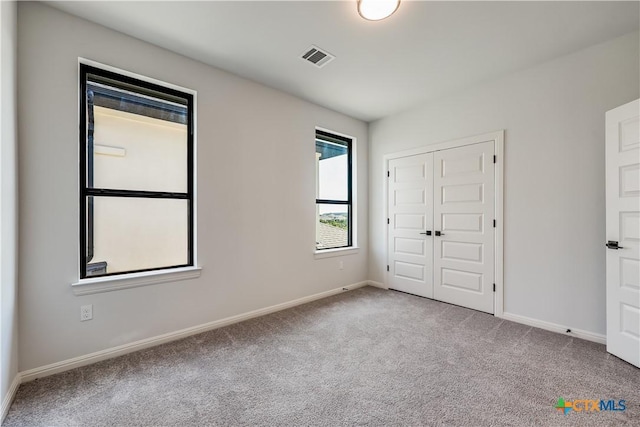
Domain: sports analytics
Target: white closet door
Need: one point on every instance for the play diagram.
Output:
(463, 208)
(623, 232)
(410, 218)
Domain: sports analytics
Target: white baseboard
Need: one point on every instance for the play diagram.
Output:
(109, 353)
(11, 394)
(554, 327)
(337, 291)
(377, 284)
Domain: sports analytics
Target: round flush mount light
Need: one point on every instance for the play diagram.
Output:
(375, 10)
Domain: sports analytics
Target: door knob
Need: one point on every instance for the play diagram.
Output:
(612, 244)
(438, 233)
(428, 233)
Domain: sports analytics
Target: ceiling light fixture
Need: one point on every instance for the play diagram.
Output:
(375, 10)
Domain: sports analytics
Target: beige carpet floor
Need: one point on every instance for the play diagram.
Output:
(364, 357)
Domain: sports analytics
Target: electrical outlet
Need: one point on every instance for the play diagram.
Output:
(340, 265)
(86, 312)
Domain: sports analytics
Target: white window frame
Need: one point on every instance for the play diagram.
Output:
(93, 285)
(354, 248)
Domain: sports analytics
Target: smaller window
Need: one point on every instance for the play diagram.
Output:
(334, 196)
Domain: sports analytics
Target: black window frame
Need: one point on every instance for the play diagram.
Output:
(87, 193)
(348, 142)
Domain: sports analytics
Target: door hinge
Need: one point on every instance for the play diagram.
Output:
(387, 268)
(494, 223)
(387, 220)
(494, 287)
(495, 158)
(388, 174)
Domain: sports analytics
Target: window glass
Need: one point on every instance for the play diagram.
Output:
(138, 233)
(333, 171)
(333, 226)
(137, 152)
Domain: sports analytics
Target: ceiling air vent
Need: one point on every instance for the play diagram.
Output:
(317, 56)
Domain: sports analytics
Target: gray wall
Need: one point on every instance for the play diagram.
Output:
(256, 195)
(8, 198)
(554, 224)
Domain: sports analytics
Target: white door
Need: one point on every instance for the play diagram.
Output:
(463, 216)
(623, 231)
(410, 218)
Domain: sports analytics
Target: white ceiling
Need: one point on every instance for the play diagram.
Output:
(424, 51)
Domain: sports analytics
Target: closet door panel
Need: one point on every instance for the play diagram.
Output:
(410, 211)
(463, 214)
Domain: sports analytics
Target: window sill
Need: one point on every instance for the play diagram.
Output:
(113, 283)
(330, 253)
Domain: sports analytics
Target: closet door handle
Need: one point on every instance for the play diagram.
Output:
(613, 245)
(439, 233)
(427, 233)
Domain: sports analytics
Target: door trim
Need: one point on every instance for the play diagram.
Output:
(498, 138)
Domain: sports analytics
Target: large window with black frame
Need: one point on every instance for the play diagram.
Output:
(334, 195)
(136, 175)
